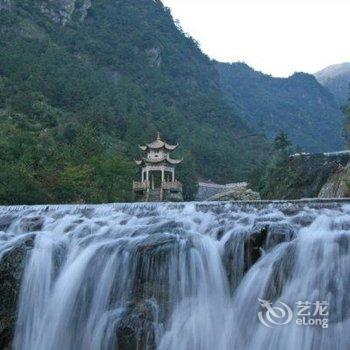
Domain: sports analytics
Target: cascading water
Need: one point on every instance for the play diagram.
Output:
(179, 276)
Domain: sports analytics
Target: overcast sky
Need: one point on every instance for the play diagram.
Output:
(277, 37)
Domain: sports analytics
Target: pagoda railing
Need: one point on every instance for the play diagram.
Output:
(140, 185)
(171, 185)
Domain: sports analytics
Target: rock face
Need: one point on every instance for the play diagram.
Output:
(313, 171)
(136, 330)
(338, 185)
(11, 270)
(154, 56)
(209, 189)
(238, 192)
(259, 239)
(63, 11)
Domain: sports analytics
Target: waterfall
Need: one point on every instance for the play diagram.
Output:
(196, 276)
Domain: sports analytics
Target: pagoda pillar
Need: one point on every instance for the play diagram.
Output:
(162, 174)
(173, 175)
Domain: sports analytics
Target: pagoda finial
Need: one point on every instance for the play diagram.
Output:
(158, 135)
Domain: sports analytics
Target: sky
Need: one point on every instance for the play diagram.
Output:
(277, 37)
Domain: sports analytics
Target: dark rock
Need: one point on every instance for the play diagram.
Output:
(233, 259)
(30, 224)
(11, 270)
(6, 221)
(254, 244)
(340, 226)
(282, 270)
(290, 211)
(243, 250)
(279, 233)
(343, 242)
(303, 220)
(136, 330)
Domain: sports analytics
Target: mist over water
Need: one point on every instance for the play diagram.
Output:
(179, 276)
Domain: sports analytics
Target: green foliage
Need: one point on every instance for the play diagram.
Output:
(76, 100)
(282, 142)
(273, 179)
(186, 174)
(298, 105)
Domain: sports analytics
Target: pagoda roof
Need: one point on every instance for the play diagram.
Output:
(163, 159)
(158, 144)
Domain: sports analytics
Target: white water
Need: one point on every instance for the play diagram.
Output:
(164, 269)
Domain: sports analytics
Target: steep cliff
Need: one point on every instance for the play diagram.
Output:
(338, 185)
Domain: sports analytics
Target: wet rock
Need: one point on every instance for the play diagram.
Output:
(152, 259)
(170, 227)
(30, 224)
(242, 251)
(6, 221)
(303, 220)
(254, 244)
(279, 233)
(233, 259)
(11, 270)
(268, 219)
(343, 242)
(265, 237)
(136, 330)
(282, 270)
(290, 211)
(340, 226)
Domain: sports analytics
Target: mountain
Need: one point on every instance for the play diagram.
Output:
(298, 105)
(337, 79)
(82, 83)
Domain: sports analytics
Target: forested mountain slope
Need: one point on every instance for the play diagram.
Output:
(336, 79)
(297, 105)
(83, 82)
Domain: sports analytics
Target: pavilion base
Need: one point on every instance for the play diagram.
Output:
(158, 195)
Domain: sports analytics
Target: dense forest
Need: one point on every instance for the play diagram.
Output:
(286, 177)
(298, 105)
(82, 85)
(336, 79)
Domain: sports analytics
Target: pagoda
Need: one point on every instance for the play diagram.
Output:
(158, 181)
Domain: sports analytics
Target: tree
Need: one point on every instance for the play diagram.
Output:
(282, 142)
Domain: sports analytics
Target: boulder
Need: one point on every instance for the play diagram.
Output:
(136, 329)
(238, 192)
(11, 270)
(338, 185)
(31, 223)
(242, 251)
(6, 221)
